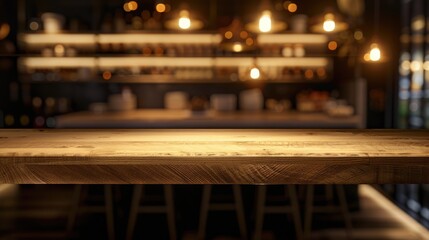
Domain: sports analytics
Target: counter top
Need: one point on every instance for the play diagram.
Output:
(214, 156)
(158, 118)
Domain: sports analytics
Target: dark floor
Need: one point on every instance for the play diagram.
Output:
(40, 212)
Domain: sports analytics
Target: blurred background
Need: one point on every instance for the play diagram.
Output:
(344, 64)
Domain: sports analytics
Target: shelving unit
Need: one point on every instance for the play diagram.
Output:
(83, 67)
(211, 59)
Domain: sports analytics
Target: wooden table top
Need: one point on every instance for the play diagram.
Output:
(214, 156)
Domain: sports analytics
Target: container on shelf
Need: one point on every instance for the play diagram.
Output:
(251, 100)
(124, 101)
(223, 102)
(52, 22)
(176, 100)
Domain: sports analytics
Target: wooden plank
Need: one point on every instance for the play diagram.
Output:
(214, 156)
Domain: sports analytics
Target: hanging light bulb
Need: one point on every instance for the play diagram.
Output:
(237, 47)
(374, 54)
(183, 21)
(255, 74)
(329, 24)
(265, 21)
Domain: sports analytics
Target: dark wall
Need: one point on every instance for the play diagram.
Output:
(9, 93)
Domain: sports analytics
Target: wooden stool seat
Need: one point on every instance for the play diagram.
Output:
(262, 209)
(206, 206)
(167, 209)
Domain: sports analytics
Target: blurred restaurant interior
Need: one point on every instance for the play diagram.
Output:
(213, 64)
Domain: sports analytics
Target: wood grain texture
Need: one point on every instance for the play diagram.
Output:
(214, 156)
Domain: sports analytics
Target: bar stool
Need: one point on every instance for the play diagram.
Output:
(167, 209)
(79, 191)
(329, 194)
(262, 209)
(206, 206)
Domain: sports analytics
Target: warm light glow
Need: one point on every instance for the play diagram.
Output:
(418, 23)
(292, 7)
(249, 41)
(329, 23)
(416, 66)
(309, 74)
(358, 35)
(4, 30)
(34, 26)
(321, 72)
(406, 65)
(332, 45)
(133, 5)
(425, 65)
(130, 6)
(265, 22)
(255, 73)
(160, 7)
(237, 47)
(366, 57)
(375, 53)
(244, 34)
(184, 23)
(126, 7)
(228, 35)
(184, 20)
(59, 50)
(107, 75)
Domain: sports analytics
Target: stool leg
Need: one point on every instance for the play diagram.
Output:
(240, 210)
(260, 209)
(168, 189)
(135, 202)
(74, 209)
(295, 210)
(204, 211)
(308, 211)
(344, 209)
(109, 212)
(329, 193)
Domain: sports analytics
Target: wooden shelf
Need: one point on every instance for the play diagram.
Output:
(77, 39)
(160, 78)
(113, 62)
